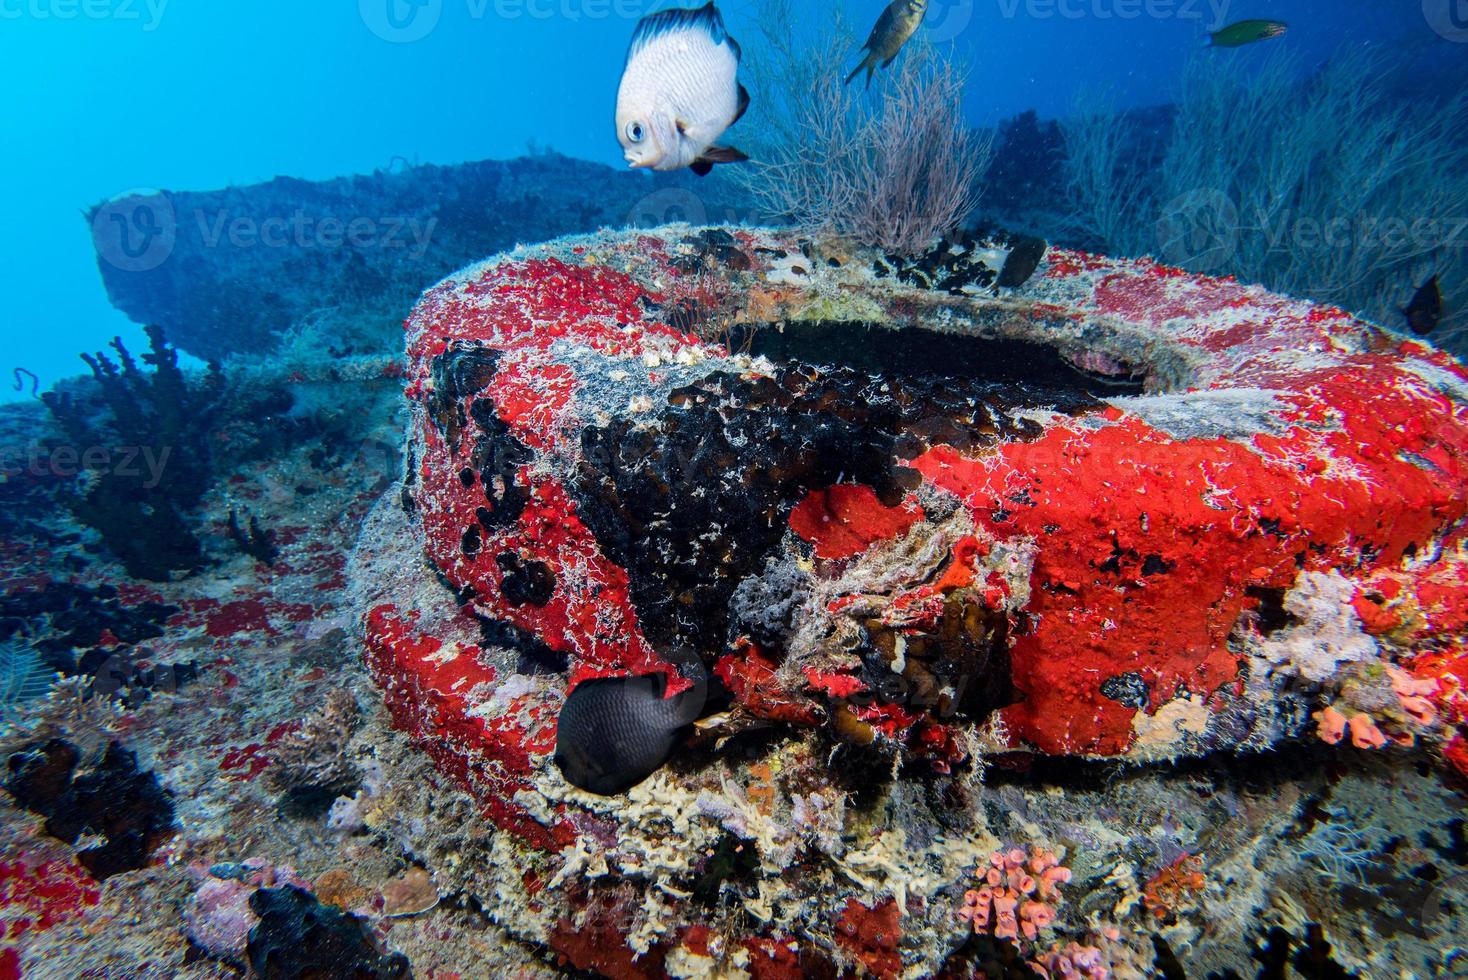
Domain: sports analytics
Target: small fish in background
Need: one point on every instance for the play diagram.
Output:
(1246, 32)
(1425, 311)
(680, 92)
(894, 28)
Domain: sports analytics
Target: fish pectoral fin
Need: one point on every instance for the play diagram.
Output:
(723, 154)
(743, 105)
(716, 154)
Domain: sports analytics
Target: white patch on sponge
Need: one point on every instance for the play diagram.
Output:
(1327, 632)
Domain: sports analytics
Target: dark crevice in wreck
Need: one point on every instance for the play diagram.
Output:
(909, 355)
(844, 406)
(1256, 771)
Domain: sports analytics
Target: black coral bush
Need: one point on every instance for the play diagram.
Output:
(144, 449)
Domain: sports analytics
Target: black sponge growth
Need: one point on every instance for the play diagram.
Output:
(298, 938)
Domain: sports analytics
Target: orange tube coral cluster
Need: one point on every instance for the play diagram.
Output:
(1018, 897)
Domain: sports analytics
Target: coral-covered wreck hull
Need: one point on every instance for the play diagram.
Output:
(1180, 514)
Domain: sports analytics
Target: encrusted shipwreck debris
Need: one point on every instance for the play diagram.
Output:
(1100, 511)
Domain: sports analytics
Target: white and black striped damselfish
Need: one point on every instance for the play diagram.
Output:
(680, 92)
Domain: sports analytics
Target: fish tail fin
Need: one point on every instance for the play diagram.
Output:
(869, 63)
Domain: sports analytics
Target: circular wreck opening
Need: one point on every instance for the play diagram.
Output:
(919, 354)
(979, 308)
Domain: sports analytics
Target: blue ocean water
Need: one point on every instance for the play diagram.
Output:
(105, 97)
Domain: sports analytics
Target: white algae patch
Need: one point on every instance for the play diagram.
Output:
(1326, 634)
(1229, 413)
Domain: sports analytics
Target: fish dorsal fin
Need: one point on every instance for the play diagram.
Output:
(665, 22)
(743, 105)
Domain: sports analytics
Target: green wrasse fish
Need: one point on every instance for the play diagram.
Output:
(894, 28)
(680, 91)
(1247, 32)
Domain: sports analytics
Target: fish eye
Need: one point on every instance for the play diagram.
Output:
(634, 132)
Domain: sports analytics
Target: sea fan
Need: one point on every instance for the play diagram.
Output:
(24, 677)
(1339, 849)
